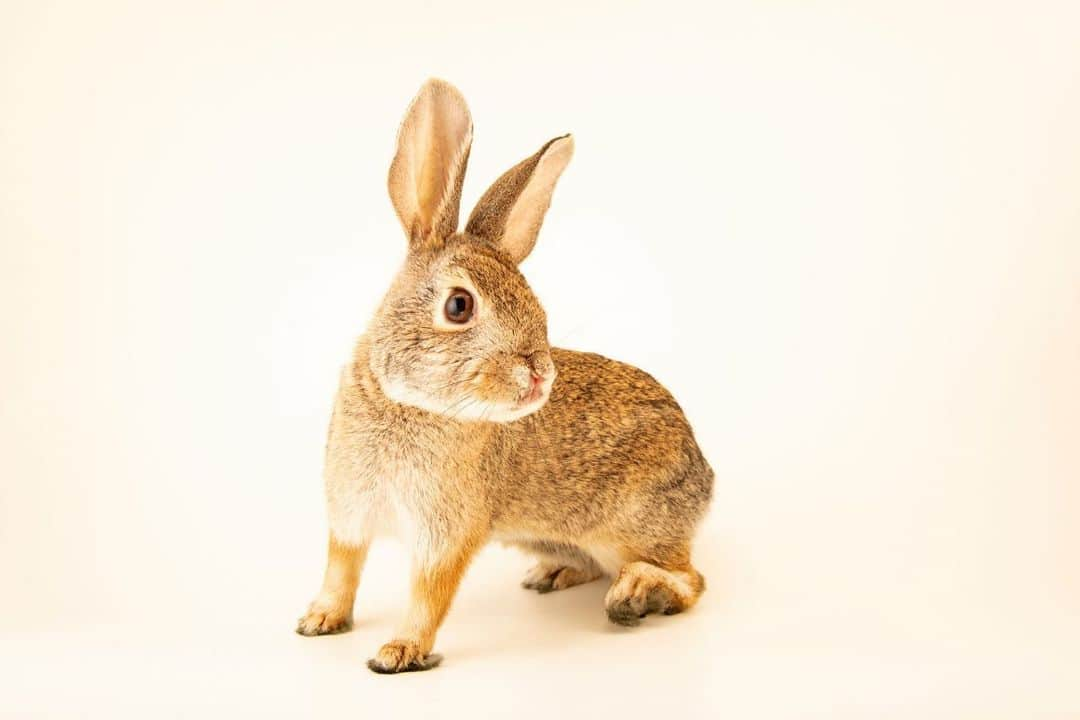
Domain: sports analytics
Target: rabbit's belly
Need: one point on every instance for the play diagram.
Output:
(604, 554)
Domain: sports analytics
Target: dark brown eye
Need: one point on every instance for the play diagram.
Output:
(459, 306)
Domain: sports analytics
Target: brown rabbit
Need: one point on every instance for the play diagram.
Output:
(450, 428)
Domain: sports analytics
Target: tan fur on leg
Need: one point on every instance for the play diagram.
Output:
(432, 592)
(331, 611)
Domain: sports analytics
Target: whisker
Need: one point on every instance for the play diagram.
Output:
(454, 404)
(463, 408)
(455, 383)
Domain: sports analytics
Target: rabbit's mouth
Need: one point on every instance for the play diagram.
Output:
(537, 391)
(534, 391)
(536, 394)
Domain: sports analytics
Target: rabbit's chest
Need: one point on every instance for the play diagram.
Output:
(370, 497)
(380, 488)
(394, 472)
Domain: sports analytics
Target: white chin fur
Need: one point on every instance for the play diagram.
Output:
(472, 410)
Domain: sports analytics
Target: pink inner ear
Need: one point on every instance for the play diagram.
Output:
(437, 181)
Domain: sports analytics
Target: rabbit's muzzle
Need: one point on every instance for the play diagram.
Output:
(534, 376)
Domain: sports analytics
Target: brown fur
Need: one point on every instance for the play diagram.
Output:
(431, 436)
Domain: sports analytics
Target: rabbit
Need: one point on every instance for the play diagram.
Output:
(456, 423)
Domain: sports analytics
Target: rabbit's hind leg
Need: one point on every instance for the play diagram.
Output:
(559, 566)
(642, 588)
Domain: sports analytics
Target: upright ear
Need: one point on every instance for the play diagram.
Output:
(510, 213)
(429, 167)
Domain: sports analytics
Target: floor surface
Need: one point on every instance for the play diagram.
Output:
(509, 651)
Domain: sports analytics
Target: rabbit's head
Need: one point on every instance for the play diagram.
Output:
(460, 333)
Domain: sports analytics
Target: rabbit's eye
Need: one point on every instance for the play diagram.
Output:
(459, 306)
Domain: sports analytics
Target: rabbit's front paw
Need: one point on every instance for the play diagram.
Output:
(320, 621)
(402, 656)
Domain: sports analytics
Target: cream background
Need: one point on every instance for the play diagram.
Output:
(846, 235)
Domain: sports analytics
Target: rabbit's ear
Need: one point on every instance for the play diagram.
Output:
(510, 213)
(429, 167)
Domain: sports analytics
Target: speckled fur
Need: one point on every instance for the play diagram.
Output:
(602, 477)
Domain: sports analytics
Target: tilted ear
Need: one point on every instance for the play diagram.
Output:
(510, 213)
(429, 167)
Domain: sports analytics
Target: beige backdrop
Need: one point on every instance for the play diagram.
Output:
(846, 235)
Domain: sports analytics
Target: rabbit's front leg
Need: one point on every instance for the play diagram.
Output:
(331, 611)
(435, 579)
